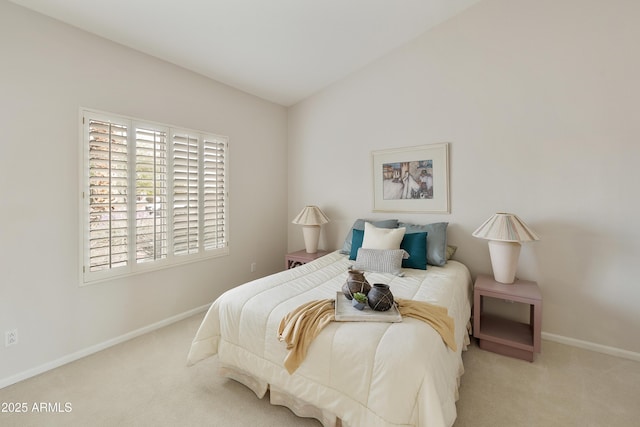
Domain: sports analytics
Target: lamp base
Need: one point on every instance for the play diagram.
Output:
(311, 234)
(504, 260)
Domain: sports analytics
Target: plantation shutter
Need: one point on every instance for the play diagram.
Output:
(108, 188)
(185, 194)
(215, 193)
(151, 194)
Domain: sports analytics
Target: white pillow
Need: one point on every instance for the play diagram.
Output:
(382, 238)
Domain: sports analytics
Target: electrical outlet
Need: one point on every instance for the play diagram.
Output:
(253, 267)
(10, 337)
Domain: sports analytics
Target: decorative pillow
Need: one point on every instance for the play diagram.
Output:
(451, 250)
(382, 238)
(359, 225)
(380, 260)
(437, 240)
(416, 245)
(356, 243)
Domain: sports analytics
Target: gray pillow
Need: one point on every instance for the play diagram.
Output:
(359, 225)
(381, 260)
(436, 240)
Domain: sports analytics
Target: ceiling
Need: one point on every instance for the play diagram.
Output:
(279, 50)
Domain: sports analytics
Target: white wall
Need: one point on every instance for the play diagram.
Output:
(539, 100)
(48, 70)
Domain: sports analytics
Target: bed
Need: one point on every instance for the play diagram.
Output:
(354, 373)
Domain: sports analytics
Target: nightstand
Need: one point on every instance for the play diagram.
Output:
(505, 336)
(295, 259)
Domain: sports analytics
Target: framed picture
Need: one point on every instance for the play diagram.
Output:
(413, 179)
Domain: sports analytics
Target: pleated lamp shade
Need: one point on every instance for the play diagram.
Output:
(311, 218)
(311, 215)
(505, 227)
(505, 232)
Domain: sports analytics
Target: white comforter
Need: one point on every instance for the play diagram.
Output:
(367, 373)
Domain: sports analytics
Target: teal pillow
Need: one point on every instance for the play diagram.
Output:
(437, 240)
(356, 242)
(416, 245)
(359, 225)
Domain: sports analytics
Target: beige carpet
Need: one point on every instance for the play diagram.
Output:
(145, 382)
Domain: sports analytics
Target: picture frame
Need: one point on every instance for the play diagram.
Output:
(411, 179)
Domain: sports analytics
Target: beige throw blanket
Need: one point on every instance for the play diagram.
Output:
(301, 326)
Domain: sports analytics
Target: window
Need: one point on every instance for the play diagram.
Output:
(153, 195)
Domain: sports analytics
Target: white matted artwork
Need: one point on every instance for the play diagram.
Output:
(412, 179)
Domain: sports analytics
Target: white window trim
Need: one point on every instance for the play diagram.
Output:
(171, 260)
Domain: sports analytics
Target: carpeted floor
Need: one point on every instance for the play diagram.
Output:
(145, 382)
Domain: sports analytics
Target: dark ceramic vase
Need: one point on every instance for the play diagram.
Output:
(380, 297)
(356, 282)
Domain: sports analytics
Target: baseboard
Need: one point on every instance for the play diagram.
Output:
(5, 382)
(587, 345)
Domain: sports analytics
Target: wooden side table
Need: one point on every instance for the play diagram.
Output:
(502, 335)
(295, 259)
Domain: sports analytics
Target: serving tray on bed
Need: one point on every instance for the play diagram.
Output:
(345, 312)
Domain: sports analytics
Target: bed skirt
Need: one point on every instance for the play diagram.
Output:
(280, 397)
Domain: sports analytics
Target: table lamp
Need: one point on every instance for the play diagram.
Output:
(505, 233)
(311, 218)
